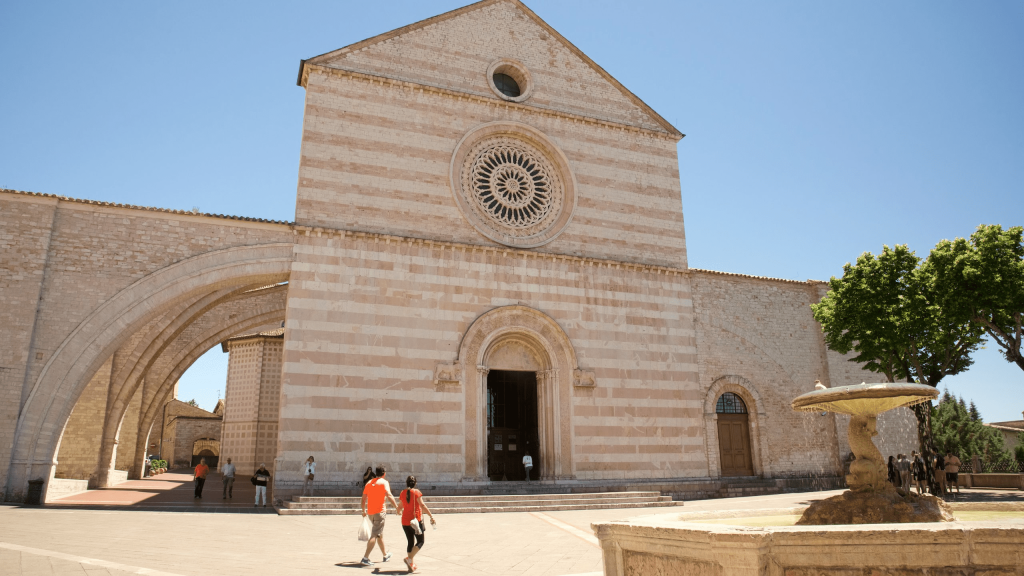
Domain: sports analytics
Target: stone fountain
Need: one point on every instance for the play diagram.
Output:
(871, 528)
(871, 499)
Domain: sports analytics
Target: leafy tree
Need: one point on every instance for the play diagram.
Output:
(193, 402)
(982, 280)
(956, 429)
(1018, 450)
(884, 309)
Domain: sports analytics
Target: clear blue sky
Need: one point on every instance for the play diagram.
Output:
(815, 130)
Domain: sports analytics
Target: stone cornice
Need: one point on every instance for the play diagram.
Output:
(751, 277)
(482, 99)
(99, 203)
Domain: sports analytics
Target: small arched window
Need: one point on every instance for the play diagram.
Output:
(730, 403)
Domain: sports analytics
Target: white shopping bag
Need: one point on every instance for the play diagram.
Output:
(415, 525)
(364, 529)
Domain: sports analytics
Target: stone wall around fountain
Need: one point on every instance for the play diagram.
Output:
(657, 545)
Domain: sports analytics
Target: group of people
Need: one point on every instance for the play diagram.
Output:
(410, 505)
(904, 470)
(260, 479)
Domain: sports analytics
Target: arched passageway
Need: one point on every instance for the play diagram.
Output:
(148, 334)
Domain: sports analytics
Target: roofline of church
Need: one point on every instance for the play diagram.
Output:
(316, 230)
(481, 4)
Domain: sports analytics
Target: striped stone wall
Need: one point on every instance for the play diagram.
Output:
(370, 317)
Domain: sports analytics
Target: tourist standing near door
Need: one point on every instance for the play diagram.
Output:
(308, 469)
(229, 479)
(201, 471)
(528, 464)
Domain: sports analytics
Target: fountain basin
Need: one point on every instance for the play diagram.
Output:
(685, 545)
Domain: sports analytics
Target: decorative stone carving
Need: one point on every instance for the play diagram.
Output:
(448, 375)
(582, 377)
(513, 184)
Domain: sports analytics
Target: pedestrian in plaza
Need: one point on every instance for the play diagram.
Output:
(903, 467)
(528, 464)
(920, 475)
(374, 493)
(145, 467)
(308, 470)
(200, 477)
(260, 479)
(411, 506)
(953, 472)
(939, 465)
(229, 479)
(368, 475)
(894, 476)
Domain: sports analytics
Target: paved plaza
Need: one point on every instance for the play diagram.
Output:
(156, 527)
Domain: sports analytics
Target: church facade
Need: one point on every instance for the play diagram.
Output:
(487, 260)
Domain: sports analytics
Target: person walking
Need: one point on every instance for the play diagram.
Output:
(260, 479)
(411, 506)
(903, 467)
(368, 475)
(308, 469)
(200, 477)
(229, 479)
(953, 472)
(528, 464)
(894, 477)
(372, 505)
(920, 475)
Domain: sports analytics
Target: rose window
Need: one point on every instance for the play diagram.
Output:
(512, 185)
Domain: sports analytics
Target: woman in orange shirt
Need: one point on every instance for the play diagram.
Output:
(410, 506)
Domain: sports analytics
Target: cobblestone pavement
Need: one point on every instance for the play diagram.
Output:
(177, 542)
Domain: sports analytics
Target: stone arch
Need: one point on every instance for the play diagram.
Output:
(520, 337)
(751, 396)
(64, 376)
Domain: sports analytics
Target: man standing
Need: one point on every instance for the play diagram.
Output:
(952, 472)
(903, 466)
(201, 471)
(229, 479)
(528, 464)
(262, 477)
(372, 505)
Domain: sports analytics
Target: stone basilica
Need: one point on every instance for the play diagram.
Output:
(487, 259)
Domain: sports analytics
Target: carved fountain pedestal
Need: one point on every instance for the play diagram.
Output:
(871, 499)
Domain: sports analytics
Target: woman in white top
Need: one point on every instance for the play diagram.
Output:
(308, 469)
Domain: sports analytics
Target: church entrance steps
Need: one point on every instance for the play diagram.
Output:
(311, 505)
(732, 488)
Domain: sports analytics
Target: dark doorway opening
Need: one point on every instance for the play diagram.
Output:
(512, 429)
(211, 460)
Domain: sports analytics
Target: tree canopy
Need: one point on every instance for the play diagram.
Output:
(885, 309)
(981, 280)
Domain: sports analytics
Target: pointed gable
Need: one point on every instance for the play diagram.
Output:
(454, 50)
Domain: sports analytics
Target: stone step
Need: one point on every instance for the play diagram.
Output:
(491, 498)
(484, 509)
(436, 505)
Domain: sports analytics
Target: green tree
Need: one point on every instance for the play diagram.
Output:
(982, 280)
(193, 402)
(957, 430)
(1018, 450)
(884, 310)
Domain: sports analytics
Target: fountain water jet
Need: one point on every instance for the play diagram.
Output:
(871, 499)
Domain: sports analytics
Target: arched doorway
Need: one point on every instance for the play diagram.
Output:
(734, 435)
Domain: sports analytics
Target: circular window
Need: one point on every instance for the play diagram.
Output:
(506, 85)
(510, 80)
(512, 184)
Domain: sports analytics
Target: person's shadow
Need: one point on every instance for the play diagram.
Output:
(376, 569)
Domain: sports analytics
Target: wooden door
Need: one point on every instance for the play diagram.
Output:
(734, 445)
